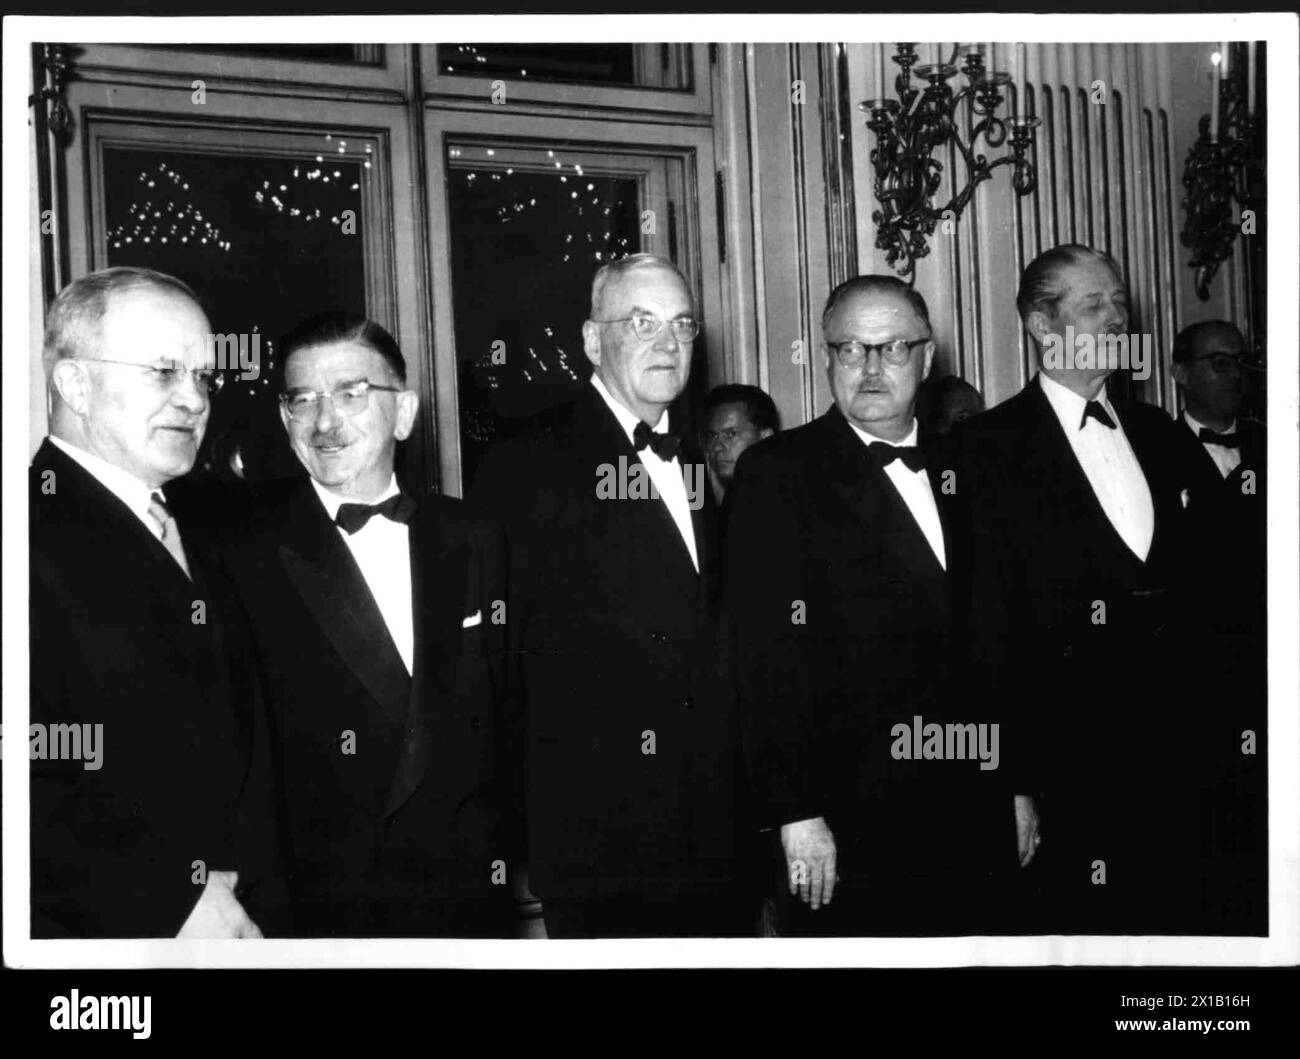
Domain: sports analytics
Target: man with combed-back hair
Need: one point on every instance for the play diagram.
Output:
(162, 828)
(1078, 506)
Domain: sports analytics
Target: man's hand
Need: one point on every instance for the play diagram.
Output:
(810, 860)
(1027, 836)
(218, 914)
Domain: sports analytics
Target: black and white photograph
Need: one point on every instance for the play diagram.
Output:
(766, 496)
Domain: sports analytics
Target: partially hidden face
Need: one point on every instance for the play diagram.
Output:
(1094, 301)
(728, 433)
(876, 396)
(1217, 393)
(641, 373)
(351, 455)
(133, 419)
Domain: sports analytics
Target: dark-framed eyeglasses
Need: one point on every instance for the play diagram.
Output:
(895, 353)
(166, 375)
(349, 399)
(1222, 363)
(647, 326)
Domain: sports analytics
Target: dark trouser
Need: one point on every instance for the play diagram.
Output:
(637, 916)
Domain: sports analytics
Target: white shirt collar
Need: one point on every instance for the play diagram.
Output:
(124, 485)
(868, 438)
(333, 501)
(1068, 405)
(626, 418)
(1197, 427)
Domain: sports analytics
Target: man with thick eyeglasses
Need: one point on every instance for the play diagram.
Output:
(378, 622)
(839, 589)
(165, 833)
(629, 744)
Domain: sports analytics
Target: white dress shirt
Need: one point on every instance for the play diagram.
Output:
(122, 484)
(666, 475)
(914, 488)
(383, 552)
(1109, 463)
(1227, 459)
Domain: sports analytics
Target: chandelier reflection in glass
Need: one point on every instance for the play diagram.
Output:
(914, 131)
(1216, 173)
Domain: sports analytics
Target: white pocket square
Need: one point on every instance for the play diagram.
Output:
(1183, 497)
(474, 619)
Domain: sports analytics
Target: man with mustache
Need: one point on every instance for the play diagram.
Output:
(164, 834)
(840, 592)
(1078, 505)
(612, 615)
(376, 616)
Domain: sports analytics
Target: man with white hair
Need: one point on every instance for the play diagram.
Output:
(162, 830)
(610, 528)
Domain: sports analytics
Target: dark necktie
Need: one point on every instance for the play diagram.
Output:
(664, 446)
(885, 454)
(1094, 410)
(352, 517)
(1211, 437)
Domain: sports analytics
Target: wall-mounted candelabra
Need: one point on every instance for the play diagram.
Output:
(915, 130)
(1216, 172)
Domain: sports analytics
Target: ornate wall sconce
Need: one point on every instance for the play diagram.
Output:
(914, 130)
(1215, 174)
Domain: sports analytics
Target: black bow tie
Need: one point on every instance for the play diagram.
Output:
(352, 517)
(1211, 437)
(885, 454)
(1094, 410)
(664, 446)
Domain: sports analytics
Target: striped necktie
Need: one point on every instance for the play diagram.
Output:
(171, 536)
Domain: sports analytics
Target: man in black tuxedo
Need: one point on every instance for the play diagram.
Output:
(150, 783)
(839, 587)
(610, 524)
(377, 622)
(1078, 507)
(1228, 452)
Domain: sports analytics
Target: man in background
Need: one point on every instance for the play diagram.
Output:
(735, 417)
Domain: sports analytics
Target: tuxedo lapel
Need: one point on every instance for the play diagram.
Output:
(866, 489)
(439, 576)
(608, 437)
(324, 573)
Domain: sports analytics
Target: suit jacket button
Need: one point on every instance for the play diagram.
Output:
(659, 637)
(1067, 652)
(688, 703)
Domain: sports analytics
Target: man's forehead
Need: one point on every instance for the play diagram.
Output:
(647, 285)
(335, 362)
(1092, 277)
(874, 309)
(731, 410)
(1220, 340)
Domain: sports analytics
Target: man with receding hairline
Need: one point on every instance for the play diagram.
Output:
(1077, 504)
(167, 836)
(629, 746)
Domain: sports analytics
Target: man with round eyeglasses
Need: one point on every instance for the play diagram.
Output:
(163, 831)
(613, 572)
(380, 641)
(840, 592)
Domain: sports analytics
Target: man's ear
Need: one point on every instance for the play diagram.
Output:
(71, 381)
(408, 403)
(1180, 372)
(591, 341)
(284, 414)
(929, 359)
(1040, 326)
(766, 432)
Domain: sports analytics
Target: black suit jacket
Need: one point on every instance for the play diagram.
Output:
(185, 773)
(391, 780)
(615, 633)
(1080, 639)
(843, 620)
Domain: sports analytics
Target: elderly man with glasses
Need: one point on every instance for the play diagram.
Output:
(839, 588)
(151, 786)
(379, 637)
(630, 752)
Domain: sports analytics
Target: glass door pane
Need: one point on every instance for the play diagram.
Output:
(529, 227)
